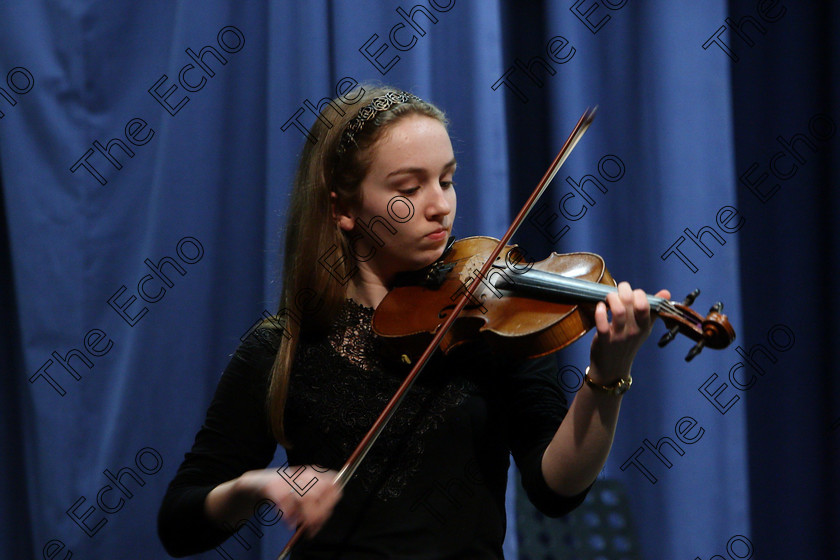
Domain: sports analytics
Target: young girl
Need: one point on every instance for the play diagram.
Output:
(316, 379)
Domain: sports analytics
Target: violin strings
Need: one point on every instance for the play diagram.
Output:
(599, 292)
(674, 310)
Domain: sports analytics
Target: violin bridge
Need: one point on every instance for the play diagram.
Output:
(472, 270)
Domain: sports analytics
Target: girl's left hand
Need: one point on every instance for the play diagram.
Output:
(617, 341)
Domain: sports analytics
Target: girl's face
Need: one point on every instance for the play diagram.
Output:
(407, 200)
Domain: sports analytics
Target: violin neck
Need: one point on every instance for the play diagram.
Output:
(547, 284)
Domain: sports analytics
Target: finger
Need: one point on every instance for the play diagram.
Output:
(602, 324)
(628, 300)
(325, 503)
(625, 293)
(312, 529)
(663, 294)
(316, 516)
(309, 522)
(624, 289)
(618, 307)
(641, 309)
(318, 506)
(291, 514)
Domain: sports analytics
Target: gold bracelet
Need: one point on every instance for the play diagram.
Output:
(618, 388)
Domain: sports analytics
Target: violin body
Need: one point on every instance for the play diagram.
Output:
(520, 308)
(509, 321)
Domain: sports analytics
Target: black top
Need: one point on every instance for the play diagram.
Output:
(433, 485)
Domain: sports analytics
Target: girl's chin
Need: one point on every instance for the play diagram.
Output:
(433, 255)
(420, 263)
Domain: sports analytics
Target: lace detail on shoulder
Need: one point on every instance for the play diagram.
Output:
(339, 386)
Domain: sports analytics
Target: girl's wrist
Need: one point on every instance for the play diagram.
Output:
(615, 385)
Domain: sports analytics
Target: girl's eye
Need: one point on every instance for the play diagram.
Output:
(411, 190)
(447, 184)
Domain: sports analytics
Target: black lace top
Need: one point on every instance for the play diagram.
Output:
(432, 486)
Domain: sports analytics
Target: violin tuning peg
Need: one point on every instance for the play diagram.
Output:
(717, 307)
(668, 336)
(689, 299)
(695, 350)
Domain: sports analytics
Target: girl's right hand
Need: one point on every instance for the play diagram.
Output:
(307, 505)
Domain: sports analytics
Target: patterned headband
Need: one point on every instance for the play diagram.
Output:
(370, 111)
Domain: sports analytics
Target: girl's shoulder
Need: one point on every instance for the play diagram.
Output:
(261, 344)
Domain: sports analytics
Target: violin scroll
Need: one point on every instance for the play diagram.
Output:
(713, 330)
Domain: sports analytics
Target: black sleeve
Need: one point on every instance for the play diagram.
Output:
(537, 406)
(234, 438)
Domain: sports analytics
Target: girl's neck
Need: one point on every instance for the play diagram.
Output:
(367, 288)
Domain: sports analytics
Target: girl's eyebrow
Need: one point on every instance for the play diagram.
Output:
(418, 170)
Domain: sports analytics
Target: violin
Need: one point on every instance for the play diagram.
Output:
(542, 306)
(520, 308)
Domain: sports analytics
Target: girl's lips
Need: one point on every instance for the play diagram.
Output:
(437, 235)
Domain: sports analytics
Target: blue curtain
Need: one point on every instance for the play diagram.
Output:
(146, 153)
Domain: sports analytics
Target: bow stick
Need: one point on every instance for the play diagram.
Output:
(367, 442)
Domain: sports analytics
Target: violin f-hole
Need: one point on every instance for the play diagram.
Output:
(473, 303)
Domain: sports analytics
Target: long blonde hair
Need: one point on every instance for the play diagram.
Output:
(318, 261)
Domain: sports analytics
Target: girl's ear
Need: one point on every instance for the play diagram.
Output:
(340, 215)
